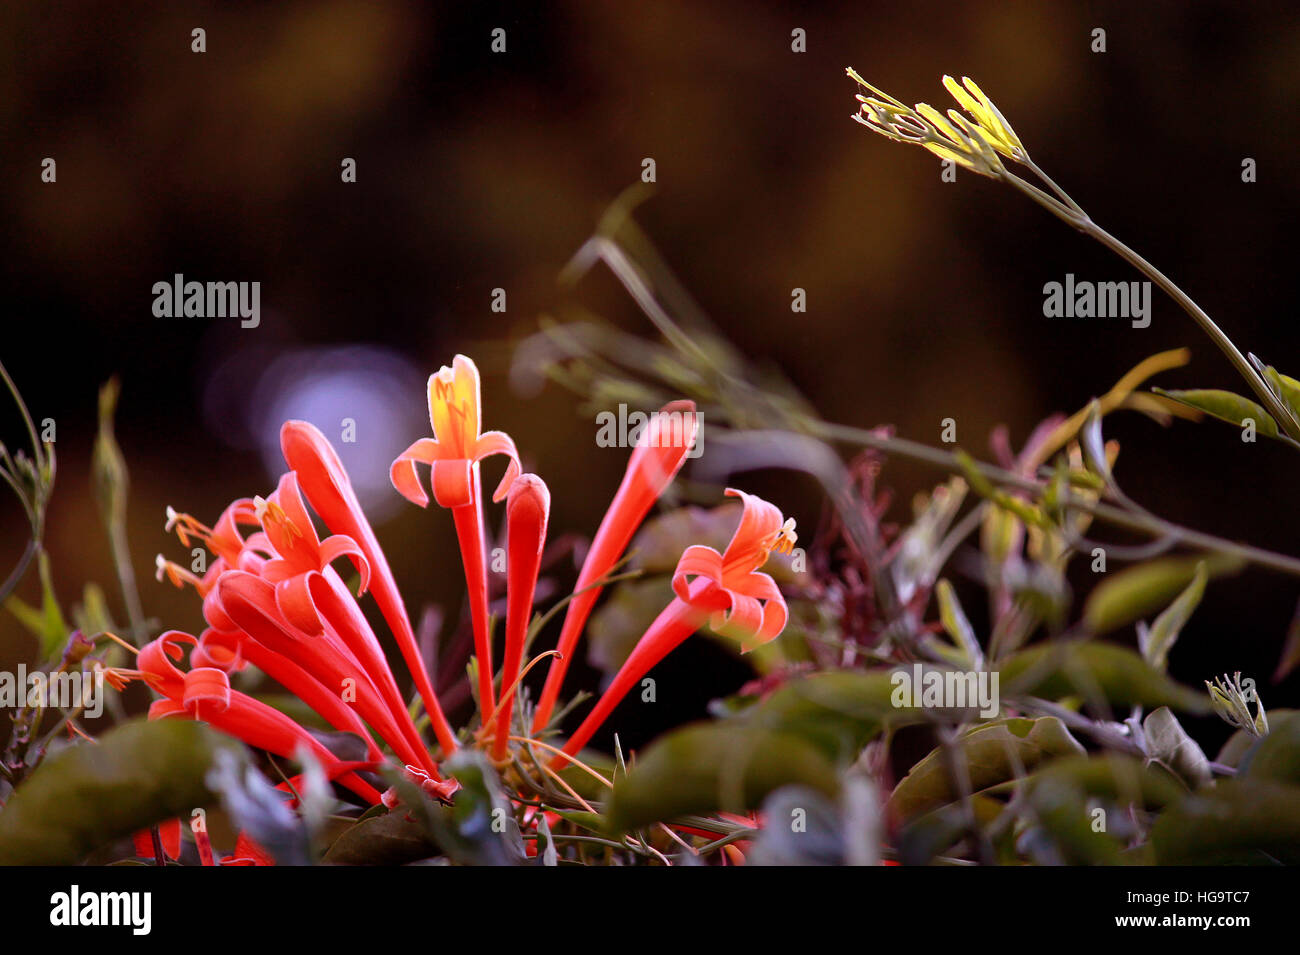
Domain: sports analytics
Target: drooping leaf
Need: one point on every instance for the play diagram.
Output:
(1156, 642)
(1088, 669)
(135, 775)
(1143, 589)
(1168, 742)
(991, 753)
(715, 766)
(1226, 406)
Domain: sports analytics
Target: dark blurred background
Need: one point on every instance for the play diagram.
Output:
(478, 171)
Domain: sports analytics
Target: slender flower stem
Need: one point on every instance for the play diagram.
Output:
(1071, 212)
(1141, 522)
(126, 581)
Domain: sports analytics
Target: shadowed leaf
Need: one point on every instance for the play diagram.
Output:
(1144, 589)
(1226, 406)
(1168, 742)
(1117, 674)
(1156, 642)
(710, 767)
(1238, 822)
(135, 775)
(992, 754)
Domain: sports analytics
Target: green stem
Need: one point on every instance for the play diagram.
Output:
(1075, 216)
(126, 581)
(1141, 522)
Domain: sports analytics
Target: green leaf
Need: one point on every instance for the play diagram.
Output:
(838, 711)
(1077, 668)
(390, 839)
(1236, 751)
(1062, 832)
(992, 754)
(1124, 780)
(46, 622)
(136, 775)
(957, 625)
(1143, 589)
(91, 615)
(1278, 755)
(1238, 822)
(714, 767)
(1156, 642)
(1286, 388)
(1169, 743)
(1226, 406)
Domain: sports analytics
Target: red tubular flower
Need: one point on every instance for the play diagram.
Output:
(727, 587)
(249, 602)
(330, 492)
(205, 693)
(527, 509)
(297, 553)
(346, 623)
(453, 455)
(659, 455)
(223, 650)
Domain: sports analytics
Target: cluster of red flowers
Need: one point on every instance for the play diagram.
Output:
(272, 598)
